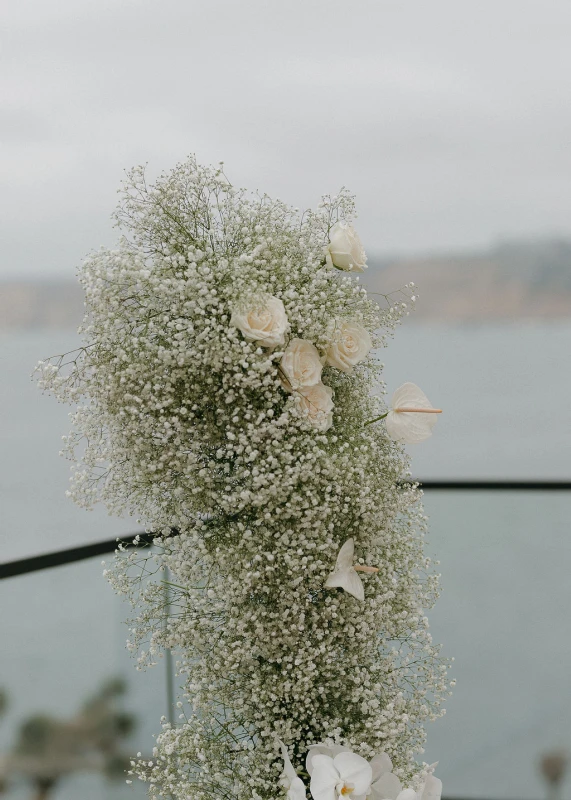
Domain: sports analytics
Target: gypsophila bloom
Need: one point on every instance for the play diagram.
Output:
(315, 404)
(345, 250)
(263, 321)
(414, 426)
(180, 418)
(350, 346)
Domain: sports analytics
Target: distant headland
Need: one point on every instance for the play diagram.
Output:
(515, 281)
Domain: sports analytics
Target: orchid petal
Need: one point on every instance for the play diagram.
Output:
(408, 794)
(296, 790)
(432, 789)
(288, 766)
(354, 769)
(324, 778)
(322, 749)
(387, 787)
(380, 764)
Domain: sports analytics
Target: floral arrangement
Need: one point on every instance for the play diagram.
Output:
(229, 396)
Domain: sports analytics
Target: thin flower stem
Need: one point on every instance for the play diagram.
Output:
(377, 419)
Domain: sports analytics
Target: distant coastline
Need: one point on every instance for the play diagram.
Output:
(514, 281)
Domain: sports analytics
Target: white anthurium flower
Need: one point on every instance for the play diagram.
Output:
(345, 250)
(344, 775)
(315, 403)
(352, 344)
(290, 780)
(323, 750)
(412, 416)
(301, 365)
(345, 574)
(263, 321)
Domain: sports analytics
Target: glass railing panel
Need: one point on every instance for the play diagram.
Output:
(504, 615)
(499, 386)
(63, 666)
(36, 516)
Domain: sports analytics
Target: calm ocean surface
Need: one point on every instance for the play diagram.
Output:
(505, 558)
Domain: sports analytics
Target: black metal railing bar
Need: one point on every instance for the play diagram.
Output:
(22, 566)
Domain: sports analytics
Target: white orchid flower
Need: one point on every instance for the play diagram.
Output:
(388, 787)
(324, 750)
(345, 574)
(383, 781)
(345, 775)
(411, 416)
(290, 780)
(432, 789)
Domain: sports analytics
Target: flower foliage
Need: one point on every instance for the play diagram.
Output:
(187, 419)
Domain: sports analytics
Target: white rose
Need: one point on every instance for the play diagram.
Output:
(264, 322)
(351, 345)
(316, 405)
(300, 365)
(345, 250)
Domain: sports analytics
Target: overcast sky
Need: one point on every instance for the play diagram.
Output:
(450, 120)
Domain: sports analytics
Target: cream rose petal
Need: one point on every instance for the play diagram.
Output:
(264, 322)
(300, 365)
(352, 344)
(413, 427)
(345, 250)
(315, 404)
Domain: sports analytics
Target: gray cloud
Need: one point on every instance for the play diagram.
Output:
(451, 121)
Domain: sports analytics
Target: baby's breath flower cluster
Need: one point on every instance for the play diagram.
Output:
(222, 396)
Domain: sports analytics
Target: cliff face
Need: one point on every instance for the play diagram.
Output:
(27, 305)
(510, 282)
(520, 281)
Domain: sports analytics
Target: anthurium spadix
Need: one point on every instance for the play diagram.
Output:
(344, 775)
(345, 576)
(290, 780)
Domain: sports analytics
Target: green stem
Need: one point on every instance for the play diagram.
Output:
(370, 421)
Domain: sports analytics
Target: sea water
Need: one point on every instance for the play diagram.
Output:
(505, 558)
